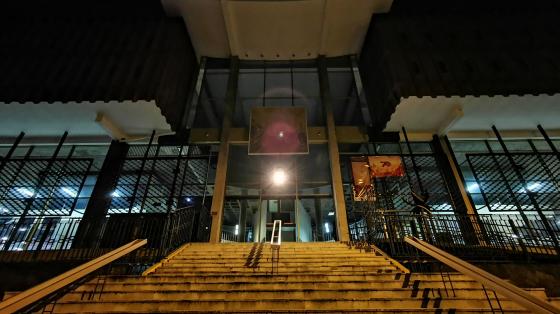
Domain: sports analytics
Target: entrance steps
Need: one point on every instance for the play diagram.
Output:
(310, 277)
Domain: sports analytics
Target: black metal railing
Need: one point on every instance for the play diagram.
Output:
(54, 237)
(472, 237)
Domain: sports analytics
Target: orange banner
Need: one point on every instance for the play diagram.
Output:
(386, 166)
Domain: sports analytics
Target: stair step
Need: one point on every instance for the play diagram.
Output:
(134, 285)
(252, 305)
(280, 295)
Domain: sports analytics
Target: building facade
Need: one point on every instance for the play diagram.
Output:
(132, 119)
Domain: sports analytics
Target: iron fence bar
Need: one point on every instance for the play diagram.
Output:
(177, 170)
(140, 172)
(506, 182)
(529, 193)
(11, 151)
(21, 165)
(537, 153)
(414, 166)
(59, 174)
(31, 199)
(150, 175)
(82, 183)
(478, 181)
(549, 141)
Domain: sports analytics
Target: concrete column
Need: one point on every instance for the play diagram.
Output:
(475, 227)
(91, 225)
(217, 209)
(338, 192)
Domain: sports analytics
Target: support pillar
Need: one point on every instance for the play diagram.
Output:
(89, 231)
(463, 205)
(217, 210)
(334, 157)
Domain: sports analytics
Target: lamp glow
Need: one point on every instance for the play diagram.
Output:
(279, 177)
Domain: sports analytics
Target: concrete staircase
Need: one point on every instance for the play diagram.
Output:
(310, 277)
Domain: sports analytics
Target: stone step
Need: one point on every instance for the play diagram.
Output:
(282, 263)
(228, 259)
(255, 305)
(282, 253)
(281, 295)
(261, 277)
(248, 286)
(280, 270)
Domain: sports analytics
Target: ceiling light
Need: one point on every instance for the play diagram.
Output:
(331, 213)
(473, 188)
(279, 177)
(69, 191)
(25, 192)
(115, 194)
(533, 186)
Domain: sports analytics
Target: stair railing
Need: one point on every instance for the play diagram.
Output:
(516, 294)
(54, 285)
(275, 243)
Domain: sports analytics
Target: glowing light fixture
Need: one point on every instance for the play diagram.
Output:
(331, 213)
(473, 188)
(24, 191)
(69, 191)
(115, 194)
(533, 186)
(279, 177)
(236, 230)
(327, 229)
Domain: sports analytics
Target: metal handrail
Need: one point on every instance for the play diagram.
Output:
(279, 236)
(275, 246)
(40, 291)
(516, 294)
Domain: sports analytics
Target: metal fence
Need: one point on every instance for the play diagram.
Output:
(56, 235)
(472, 237)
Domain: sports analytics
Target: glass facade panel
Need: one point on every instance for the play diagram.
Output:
(295, 189)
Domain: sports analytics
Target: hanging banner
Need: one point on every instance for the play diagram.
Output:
(362, 188)
(278, 130)
(386, 166)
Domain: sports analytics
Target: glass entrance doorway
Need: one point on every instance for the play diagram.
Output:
(295, 189)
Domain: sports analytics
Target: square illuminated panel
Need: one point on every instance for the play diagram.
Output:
(278, 130)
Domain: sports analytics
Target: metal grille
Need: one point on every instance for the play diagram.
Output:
(161, 183)
(30, 187)
(503, 191)
(395, 193)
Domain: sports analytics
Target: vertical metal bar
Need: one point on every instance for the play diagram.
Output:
(195, 97)
(551, 176)
(35, 191)
(140, 172)
(414, 166)
(366, 113)
(217, 210)
(549, 141)
(150, 176)
(336, 176)
(174, 182)
(530, 194)
(11, 151)
(504, 179)
(17, 172)
(82, 183)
